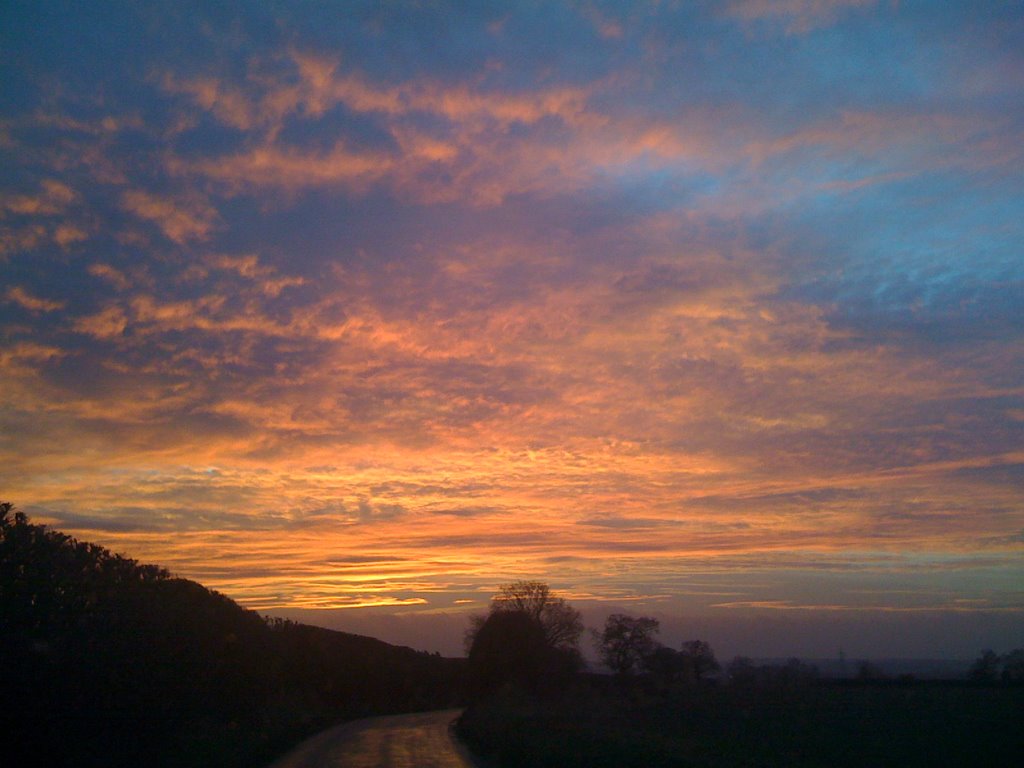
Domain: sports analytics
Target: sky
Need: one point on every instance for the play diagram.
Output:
(707, 311)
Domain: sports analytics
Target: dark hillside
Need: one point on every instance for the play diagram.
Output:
(110, 662)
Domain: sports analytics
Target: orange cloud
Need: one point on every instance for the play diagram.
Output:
(271, 166)
(23, 298)
(111, 274)
(610, 407)
(54, 199)
(248, 266)
(108, 323)
(24, 352)
(476, 157)
(227, 103)
(181, 220)
(800, 16)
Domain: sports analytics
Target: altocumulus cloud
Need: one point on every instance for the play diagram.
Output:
(608, 294)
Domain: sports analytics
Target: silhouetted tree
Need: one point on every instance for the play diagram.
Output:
(698, 660)
(795, 673)
(665, 665)
(742, 671)
(625, 642)
(529, 638)
(867, 670)
(986, 667)
(561, 623)
(508, 648)
(1013, 666)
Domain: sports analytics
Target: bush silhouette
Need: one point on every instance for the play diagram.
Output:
(529, 640)
(509, 648)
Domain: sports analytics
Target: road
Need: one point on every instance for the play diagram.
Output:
(420, 740)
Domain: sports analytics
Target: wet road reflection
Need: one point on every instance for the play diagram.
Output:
(420, 740)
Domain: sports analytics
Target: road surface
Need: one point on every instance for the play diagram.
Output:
(420, 740)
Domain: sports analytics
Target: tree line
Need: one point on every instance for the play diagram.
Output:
(533, 705)
(531, 637)
(990, 666)
(109, 662)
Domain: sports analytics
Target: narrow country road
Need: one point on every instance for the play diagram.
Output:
(420, 740)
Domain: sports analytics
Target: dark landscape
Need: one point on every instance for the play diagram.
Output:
(108, 662)
(810, 723)
(572, 383)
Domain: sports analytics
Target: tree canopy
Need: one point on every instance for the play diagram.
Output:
(561, 624)
(530, 638)
(698, 659)
(626, 642)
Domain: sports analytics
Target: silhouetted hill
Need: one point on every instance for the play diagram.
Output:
(110, 662)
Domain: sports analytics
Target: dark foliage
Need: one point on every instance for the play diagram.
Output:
(665, 666)
(985, 667)
(560, 623)
(626, 642)
(694, 662)
(510, 650)
(867, 670)
(1013, 666)
(109, 662)
(743, 673)
(357, 676)
(528, 641)
(698, 660)
(990, 666)
(814, 724)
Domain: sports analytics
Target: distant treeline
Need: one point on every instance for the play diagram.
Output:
(532, 706)
(109, 662)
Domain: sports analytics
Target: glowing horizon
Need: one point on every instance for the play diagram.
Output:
(704, 311)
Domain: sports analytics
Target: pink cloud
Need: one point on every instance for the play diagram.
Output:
(53, 199)
(180, 219)
(112, 275)
(23, 298)
(799, 16)
(108, 323)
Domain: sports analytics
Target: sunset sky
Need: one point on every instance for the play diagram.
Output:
(711, 311)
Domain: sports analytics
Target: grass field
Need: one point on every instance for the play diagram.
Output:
(906, 724)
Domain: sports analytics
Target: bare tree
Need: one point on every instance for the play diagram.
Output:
(626, 641)
(561, 623)
(698, 659)
(530, 637)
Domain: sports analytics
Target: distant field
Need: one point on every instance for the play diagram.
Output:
(831, 725)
